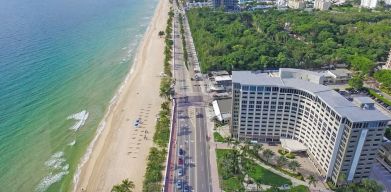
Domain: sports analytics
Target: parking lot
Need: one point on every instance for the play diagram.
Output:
(381, 175)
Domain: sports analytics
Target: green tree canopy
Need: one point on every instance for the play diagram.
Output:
(258, 40)
(356, 82)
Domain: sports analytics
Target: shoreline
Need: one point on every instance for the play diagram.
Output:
(95, 166)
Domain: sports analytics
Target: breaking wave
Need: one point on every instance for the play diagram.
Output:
(80, 118)
(58, 169)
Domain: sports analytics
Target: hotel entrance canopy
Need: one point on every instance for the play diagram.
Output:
(292, 145)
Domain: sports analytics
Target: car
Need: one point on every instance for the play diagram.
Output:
(186, 188)
(180, 171)
(136, 124)
(180, 161)
(181, 152)
(179, 184)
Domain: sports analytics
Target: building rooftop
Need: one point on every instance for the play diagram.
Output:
(293, 145)
(364, 99)
(222, 108)
(336, 101)
(340, 72)
(225, 105)
(218, 73)
(223, 78)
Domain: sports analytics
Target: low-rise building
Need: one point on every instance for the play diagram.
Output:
(296, 4)
(222, 109)
(339, 76)
(322, 5)
(220, 81)
(311, 76)
(225, 81)
(282, 3)
(336, 76)
(198, 4)
(226, 4)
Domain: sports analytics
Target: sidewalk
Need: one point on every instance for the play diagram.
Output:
(212, 157)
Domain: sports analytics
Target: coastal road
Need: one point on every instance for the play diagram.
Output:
(191, 135)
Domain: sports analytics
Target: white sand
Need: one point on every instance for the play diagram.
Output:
(121, 150)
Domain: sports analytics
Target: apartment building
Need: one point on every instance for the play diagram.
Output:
(322, 5)
(296, 4)
(341, 137)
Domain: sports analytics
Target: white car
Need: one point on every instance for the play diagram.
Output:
(180, 172)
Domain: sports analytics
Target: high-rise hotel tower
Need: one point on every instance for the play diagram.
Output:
(341, 137)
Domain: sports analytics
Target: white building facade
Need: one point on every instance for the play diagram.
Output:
(340, 136)
(371, 4)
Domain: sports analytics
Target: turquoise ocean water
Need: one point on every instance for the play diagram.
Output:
(61, 62)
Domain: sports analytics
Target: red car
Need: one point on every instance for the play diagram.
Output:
(180, 161)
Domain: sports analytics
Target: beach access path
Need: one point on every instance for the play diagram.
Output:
(121, 150)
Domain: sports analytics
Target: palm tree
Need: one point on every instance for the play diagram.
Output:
(236, 144)
(229, 140)
(293, 165)
(128, 185)
(117, 188)
(312, 180)
(256, 148)
(282, 160)
(125, 186)
(244, 149)
(268, 154)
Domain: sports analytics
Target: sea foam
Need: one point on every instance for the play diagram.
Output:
(58, 167)
(80, 118)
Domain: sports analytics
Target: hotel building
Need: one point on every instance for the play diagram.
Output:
(340, 137)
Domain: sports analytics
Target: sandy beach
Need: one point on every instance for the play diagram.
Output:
(121, 150)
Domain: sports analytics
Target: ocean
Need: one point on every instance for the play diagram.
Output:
(61, 63)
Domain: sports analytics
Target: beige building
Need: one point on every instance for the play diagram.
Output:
(322, 5)
(296, 4)
(341, 137)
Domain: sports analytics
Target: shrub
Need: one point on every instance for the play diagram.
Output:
(290, 155)
(282, 152)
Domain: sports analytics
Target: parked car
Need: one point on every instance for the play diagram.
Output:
(179, 184)
(180, 161)
(180, 171)
(186, 188)
(181, 152)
